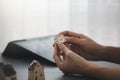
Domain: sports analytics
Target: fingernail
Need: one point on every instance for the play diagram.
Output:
(54, 45)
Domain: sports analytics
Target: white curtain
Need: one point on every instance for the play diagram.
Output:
(104, 21)
(99, 19)
(31, 18)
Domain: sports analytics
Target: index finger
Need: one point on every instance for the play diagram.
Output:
(72, 34)
(56, 56)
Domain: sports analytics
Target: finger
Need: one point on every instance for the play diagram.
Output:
(76, 41)
(75, 48)
(68, 45)
(72, 34)
(64, 48)
(56, 55)
(54, 44)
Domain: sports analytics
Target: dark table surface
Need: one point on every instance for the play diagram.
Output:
(51, 71)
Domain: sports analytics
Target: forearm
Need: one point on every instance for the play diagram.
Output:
(111, 54)
(103, 72)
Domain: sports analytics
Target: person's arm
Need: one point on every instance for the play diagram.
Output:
(111, 54)
(89, 49)
(103, 72)
(73, 63)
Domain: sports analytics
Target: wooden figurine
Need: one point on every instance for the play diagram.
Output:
(36, 71)
(7, 72)
(60, 38)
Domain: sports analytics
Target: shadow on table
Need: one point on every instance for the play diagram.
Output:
(75, 77)
(29, 59)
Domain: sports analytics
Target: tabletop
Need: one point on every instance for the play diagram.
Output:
(51, 71)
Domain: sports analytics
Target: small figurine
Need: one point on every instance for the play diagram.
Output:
(7, 72)
(36, 71)
(60, 39)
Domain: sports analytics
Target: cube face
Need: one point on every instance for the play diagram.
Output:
(60, 39)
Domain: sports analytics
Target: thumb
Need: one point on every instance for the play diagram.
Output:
(64, 48)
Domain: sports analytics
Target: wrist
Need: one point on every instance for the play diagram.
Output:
(111, 54)
(86, 67)
(91, 69)
(100, 54)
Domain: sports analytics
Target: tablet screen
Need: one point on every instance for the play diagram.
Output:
(41, 46)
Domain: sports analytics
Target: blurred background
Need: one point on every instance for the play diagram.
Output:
(98, 19)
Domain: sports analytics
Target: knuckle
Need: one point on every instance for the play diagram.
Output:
(66, 31)
(61, 67)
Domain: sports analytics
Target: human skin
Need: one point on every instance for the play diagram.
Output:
(81, 49)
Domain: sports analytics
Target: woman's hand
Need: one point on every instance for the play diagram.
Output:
(77, 48)
(71, 62)
(84, 46)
